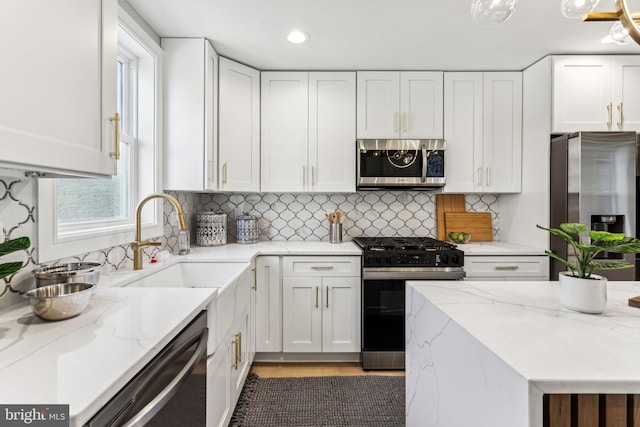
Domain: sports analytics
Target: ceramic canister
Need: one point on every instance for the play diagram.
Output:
(247, 227)
(211, 228)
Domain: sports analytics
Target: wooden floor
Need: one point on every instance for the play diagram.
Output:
(280, 370)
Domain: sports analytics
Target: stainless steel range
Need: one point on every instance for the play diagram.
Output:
(387, 263)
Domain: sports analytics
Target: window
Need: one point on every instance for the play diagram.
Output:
(93, 214)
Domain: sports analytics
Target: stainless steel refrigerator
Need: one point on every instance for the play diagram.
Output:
(593, 182)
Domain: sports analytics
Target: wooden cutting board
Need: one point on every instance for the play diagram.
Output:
(478, 224)
(447, 203)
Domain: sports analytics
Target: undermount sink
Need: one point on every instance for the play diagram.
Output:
(193, 275)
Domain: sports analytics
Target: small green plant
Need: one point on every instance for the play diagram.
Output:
(585, 253)
(8, 268)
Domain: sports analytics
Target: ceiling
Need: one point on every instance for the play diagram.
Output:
(378, 34)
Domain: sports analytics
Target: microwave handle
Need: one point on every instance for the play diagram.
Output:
(424, 163)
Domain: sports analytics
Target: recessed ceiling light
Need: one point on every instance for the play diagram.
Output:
(297, 37)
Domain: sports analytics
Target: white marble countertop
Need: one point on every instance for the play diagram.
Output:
(85, 360)
(555, 349)
(234, 252)
(496, 248)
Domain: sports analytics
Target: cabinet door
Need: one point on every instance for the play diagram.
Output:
(284, 143)
(59, 90)
(341, 314)
(268, 304)
(421, 99)
(378, 104)
(463, 132)
(502, 132)
(332, 131)
(239, 127)
(301, 314)
(219, 406)
(626, 87)
(240, 354)
(582, 98)
(190, 73)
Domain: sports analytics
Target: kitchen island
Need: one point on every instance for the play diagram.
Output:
(508, 354)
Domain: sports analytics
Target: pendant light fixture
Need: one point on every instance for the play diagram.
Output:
(575, 9)
(630, 21)
(489, 13)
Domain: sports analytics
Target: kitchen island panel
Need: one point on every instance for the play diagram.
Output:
(452, 379)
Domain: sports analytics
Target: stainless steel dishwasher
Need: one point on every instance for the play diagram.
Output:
(169, 391)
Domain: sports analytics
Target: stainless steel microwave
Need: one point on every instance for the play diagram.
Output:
(400, 163)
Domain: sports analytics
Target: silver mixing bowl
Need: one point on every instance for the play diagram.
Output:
(60, 301)
(86, 272)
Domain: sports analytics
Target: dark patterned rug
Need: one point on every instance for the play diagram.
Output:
(372, 401)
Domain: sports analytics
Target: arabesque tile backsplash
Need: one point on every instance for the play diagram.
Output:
(280, 217)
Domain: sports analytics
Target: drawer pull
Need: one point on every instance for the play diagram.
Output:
(322, 267)
(507, 267)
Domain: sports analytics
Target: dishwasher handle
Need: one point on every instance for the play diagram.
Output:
(155, 405)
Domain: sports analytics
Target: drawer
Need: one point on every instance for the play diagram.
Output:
(507, 266)
(324, 266)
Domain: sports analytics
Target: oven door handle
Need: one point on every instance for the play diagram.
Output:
(158, 402)
(413, 275)
(424, 163)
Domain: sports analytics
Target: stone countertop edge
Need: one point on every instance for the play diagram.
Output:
(555, 349)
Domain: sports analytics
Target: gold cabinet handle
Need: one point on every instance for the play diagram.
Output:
(234, 365)
(322, 267)
(255, 279)
(395, 122)
(327, 299)
(479, 176)
(116, 119)
(489, 177)
(609, 113)
(507, 267)
(224, 173)
(317, 296)
(239, 335)
(405, 122)
(313, 176)
(620, 121)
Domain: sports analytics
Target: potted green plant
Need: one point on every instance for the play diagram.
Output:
(580, 289)
(10, 246)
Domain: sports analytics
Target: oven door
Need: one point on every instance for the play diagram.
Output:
(383, 315)
(400, 163)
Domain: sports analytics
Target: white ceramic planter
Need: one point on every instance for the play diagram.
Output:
(583, 295)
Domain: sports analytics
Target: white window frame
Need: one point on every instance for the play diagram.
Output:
(56, 243)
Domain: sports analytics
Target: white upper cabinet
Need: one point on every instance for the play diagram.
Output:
(239, 127)
(58, 88)
(596, 93)
(393, 104)
(483, 131)
(308, 132)
(190, 138)
(332, 132)
(284, 142)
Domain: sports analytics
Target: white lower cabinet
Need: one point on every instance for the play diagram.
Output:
(531, 267)
(321, 304)
(268, 304)
(229, 365)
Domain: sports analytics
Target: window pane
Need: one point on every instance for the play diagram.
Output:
(85, 199)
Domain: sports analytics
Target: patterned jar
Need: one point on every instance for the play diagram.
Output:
(211, 229)
(247, 226)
